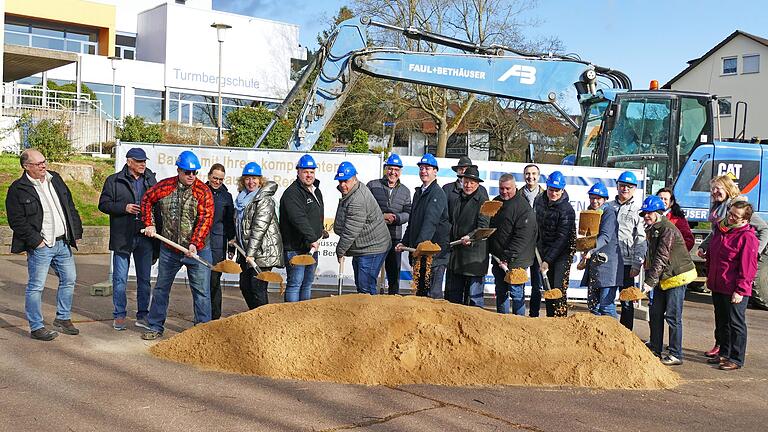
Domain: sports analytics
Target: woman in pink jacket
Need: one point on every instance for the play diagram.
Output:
(732, 264)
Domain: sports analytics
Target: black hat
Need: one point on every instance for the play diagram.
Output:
(136, 153)
(471, 173)
(464, 161)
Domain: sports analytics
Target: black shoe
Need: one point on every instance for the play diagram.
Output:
(44, 334)
(66, 327)
(716, 360)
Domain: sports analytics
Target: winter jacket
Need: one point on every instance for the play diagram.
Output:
(429, 221)
(259, 229)
(610, 273)
(631, 232)
(668, 263)
(557, 227)
(223, 228)
(25, 213)
(732, 261)
(469, 260)
(186, 211)
(453, 191)
(718, 210)
(301, 216)
(682, 224)
(396, 200)
(360, 224)
(516, 231)
(116, 194)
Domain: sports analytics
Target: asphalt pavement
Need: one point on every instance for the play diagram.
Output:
(106, 380)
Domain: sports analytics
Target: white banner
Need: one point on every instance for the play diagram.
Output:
(278, 166)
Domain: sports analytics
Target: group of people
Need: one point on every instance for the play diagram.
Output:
(206, 220)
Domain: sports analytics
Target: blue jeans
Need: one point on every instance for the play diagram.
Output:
(299, 284)
(199, 282)
(142, 257)
(62, 260)
(467, 290)
(366, 269)
(606, 302)
(667, 306)
(505, 292)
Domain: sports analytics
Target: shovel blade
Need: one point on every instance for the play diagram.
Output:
(303, 260)
(227, 266)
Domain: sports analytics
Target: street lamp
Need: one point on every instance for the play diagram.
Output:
(220, 30)
(113, 61)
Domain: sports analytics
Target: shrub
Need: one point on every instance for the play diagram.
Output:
(325, 142)
(359, 142)
(134, 129)
(247, 124)
(48, 136)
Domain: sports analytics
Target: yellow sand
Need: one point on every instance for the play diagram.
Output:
(393, 340)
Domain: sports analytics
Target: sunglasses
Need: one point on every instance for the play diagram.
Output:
(188, 172)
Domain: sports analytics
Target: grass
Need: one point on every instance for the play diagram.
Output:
(86, 197)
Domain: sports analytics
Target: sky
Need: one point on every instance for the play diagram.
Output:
(647, 40)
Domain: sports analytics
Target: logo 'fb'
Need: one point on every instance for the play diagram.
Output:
(527, 74)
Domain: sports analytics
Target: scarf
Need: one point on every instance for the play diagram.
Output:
(719, 211)
(241, 202)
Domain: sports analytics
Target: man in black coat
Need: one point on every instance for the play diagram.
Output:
(454, 189)
(120, 199)
(516, 231)
(468, 263)
(45, 225)
(394, 198)
(429, 221)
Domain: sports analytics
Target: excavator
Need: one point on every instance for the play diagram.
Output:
(669, 133)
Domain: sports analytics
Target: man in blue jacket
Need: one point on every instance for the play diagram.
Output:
(394, 198)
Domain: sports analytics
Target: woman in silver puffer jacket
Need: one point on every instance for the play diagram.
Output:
(257, 232)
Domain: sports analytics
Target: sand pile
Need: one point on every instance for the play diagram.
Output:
(394, 340)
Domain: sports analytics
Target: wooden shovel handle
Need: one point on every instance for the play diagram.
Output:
(242, 252)
(172, 243)
(498, 261)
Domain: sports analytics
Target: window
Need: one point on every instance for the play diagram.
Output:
(693, 119)
(750, 63)
(51, 36)
(729, 66)
(148, 104)
(125, 47)
(196, 108)
(724, 106)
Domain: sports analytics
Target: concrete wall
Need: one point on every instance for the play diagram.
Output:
(751, 88)
(95, 240)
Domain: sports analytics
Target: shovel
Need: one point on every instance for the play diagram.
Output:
(341, 274)
(490, 208)
(478, 234)
(515, 276)
(549, 293)
(266, 276)
(425, 248)
(304, 260)
(225, 266)
(631, 294)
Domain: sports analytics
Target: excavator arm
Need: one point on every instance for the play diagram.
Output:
(480, 69)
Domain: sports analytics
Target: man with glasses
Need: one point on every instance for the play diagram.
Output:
(45, 225)
(186, 210)
(631, 238)
(394, 199)
(429, 221)
(121, 199)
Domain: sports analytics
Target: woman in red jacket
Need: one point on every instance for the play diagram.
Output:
(675, 215)
(732, 265)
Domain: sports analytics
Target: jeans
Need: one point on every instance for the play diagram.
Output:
(627, 318)
(505, 292)
(466, 290)
(731, 327)
(62, 260)
(606, 301)
(392, 268)
(198, 276)
(298, 286)
(142, 258)
(534, 305)
(667, 306)
(366, 269)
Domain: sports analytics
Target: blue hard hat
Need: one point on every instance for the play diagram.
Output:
(346, 171)
(428, 159)
(569, 160)
(394, 160)
(598, 189)
(252, 169)
(652, 203)
(556, 180)
(628, 177)
(306, 162)
(188, 161)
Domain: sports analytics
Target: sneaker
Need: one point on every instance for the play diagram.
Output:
(671, 360)
(142, 323)
(66, 327)
(44, 334)
(119, 324)
(729, 366)
(713, 352)
(716, 360)
(151, 335)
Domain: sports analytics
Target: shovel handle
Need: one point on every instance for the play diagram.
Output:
(242, 252)
(544, 278)
(341, 274)
(172, 243)
(498, 261)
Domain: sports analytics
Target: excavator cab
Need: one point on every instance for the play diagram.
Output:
(654, 130)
